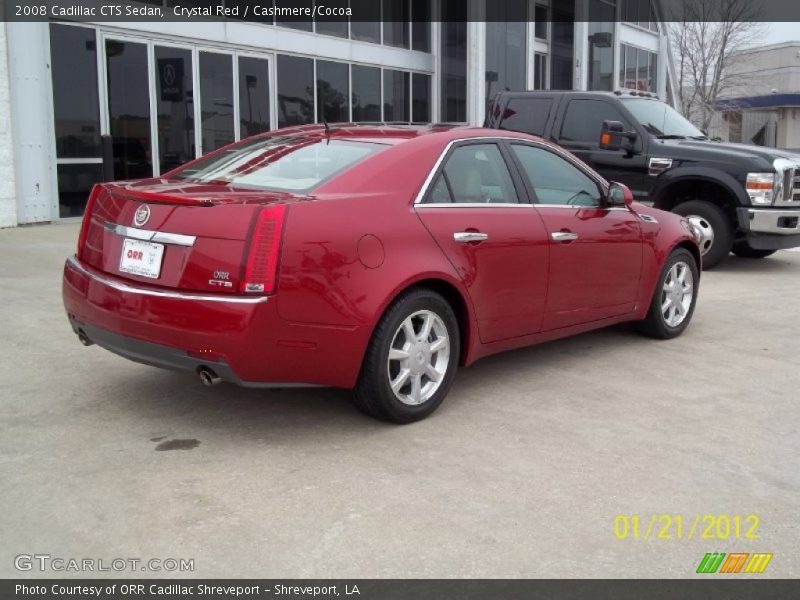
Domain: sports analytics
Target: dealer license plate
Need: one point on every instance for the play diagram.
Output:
(141, 258)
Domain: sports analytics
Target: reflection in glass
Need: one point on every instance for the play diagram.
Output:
(295, 91)
(253, 96)
(421, 25)
(332, 92)
(129, 109)
(601, 45)
(175, 106)
(454, 61)
(75, 181)
(73, 57)
(395, 23)
(505, 48)
(420, 98)
(395, 96)
(366, 93)
(216, 100)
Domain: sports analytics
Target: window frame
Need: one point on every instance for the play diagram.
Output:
(602, 184)
(521, 190)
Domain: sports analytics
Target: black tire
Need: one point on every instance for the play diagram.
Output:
(714, 217)
(743, 250)
(655, 324)
(373, 393)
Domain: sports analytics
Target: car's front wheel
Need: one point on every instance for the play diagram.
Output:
(411, 360)
(675, 297)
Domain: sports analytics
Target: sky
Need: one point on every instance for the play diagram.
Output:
(782, 32)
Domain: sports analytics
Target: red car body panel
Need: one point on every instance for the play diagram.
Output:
(347, 250)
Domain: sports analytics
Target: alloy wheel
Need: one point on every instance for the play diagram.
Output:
(677, 294)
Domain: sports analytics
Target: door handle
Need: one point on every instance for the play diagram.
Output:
(564, 236)
(470, 236)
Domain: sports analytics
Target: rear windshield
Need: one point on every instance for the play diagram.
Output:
(285, 164)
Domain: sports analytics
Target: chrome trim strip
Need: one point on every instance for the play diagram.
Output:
(148, 235)
(122, 287)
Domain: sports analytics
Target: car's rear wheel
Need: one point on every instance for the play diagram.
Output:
(411, 360)
(674, 300)
(743, 250)
(716, 232)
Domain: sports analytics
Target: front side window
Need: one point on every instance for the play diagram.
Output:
(284, 164)
(584, 120)
(473, 174)
(554, 179)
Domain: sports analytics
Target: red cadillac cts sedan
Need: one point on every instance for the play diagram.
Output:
(373, 258)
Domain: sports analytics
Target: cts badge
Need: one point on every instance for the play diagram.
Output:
(141, 216)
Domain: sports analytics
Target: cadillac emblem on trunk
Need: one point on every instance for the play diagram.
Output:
(141, 215)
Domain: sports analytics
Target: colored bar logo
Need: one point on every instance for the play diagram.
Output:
(736, 562)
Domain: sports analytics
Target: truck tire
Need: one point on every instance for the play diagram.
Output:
(743, 250)
(715, 226)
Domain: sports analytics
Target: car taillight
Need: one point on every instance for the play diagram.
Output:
(87, 218)
(261, 270)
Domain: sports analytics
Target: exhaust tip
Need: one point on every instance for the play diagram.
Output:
(208, 377)
(83, 338)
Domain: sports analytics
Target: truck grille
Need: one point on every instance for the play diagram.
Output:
(795, 195)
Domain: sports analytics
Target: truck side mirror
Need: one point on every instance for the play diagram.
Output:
(614, 137)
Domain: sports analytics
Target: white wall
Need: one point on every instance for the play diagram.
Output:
(8, 202)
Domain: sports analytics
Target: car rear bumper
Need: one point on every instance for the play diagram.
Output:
(241, 339)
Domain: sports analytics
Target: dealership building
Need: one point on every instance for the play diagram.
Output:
(82, 102)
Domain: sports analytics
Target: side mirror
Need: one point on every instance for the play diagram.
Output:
(614, 137)
(619, 195)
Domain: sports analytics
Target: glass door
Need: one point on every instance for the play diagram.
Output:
(128, 99)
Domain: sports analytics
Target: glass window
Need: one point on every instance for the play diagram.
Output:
(659, 118)
(75, 182)
(638, 69)
(331, 26)
(540, 18)
(129, 109)
(505, 52)
(300, 22)
(440, 193)
(368, 26)
(421, 25)
(584, 120)
(555, 180)
(174, 106)
(295, 91)
(216, 100)
(332, 92)
(477, 173)
(289, 164)
(528, 115)
(539, 71)
(601, 45)
(396, 17)
(454, 61)
(366, 93)
(73, 56)
(395, 96)
(254, 98)
(562, 48)
(420, 98)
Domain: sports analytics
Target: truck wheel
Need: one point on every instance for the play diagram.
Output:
(674, 299)
(714, 226)
(743, 250)
(411, 360)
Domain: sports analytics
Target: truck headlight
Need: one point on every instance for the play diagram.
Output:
(761, 187)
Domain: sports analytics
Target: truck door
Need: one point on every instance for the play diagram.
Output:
(578, 131)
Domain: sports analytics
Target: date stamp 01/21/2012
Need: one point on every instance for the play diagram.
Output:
(669, 526)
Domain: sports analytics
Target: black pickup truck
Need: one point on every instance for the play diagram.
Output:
(744, 199)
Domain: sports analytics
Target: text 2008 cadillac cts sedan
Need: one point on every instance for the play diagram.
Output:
(373, 258)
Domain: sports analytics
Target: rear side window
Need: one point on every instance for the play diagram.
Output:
(285, 164)
(555, 180)
(474, 173)
(584, 120)
(528, 115)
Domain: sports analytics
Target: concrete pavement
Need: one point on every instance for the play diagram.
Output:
(521, 472)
